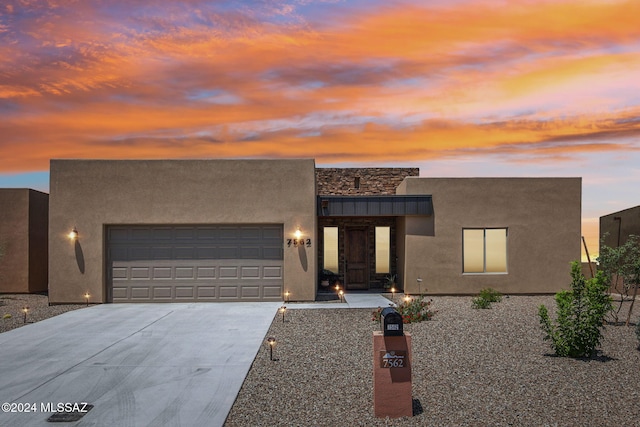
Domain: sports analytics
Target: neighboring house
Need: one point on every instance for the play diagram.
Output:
(23, 240)
(615, 228)
(233, 230)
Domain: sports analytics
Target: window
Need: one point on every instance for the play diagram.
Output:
(383, 249)
(331, 249)
(484, 250)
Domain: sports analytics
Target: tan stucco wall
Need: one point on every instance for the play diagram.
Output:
(543, 220)
(23, 240)
(90, 194)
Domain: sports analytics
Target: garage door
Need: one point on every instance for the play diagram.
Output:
(194, 263)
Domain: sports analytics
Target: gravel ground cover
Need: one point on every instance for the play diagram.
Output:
(470, 368)
(12, 316)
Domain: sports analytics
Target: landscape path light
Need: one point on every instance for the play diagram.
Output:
(341, 293)
(419, 280)
(407, 298)
(286, 296)
(393, 294)
(86, 296)
(272, 343)
(283, 309)
(25, 310)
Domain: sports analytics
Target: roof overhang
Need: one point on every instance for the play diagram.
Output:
(374, 205)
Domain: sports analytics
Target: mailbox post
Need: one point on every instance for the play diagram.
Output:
(392, 368)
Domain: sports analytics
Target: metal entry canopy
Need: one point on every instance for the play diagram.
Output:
(188, 263)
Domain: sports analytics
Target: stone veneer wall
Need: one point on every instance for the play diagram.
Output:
(372, 181)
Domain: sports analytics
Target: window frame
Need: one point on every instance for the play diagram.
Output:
(484, 251)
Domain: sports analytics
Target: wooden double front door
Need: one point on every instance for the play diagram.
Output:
(356, 258)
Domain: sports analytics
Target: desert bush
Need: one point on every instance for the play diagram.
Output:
(577, 330)
(638, 333)
(415, 309)
(486, 297)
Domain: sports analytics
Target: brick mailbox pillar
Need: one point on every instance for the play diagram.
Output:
(392, 375)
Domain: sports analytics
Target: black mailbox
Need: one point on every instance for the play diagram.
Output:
(391, 322)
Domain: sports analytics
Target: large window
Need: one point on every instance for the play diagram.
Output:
(331, 249)
(484, 250)
(383, 249)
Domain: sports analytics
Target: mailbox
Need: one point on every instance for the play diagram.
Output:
(391, 322)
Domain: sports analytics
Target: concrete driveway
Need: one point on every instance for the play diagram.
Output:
(137, 364)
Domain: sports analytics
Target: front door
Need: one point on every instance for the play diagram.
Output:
(356, 258)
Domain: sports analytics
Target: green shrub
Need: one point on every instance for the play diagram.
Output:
(491, 295)
(486, 297)
(412, 311)
(480, 302)
(580, 316)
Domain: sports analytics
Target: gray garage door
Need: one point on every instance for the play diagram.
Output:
(194, 263)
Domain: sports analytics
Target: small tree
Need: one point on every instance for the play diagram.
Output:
(621, 267)
(580, 315)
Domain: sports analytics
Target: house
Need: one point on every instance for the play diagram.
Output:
(251, 230)
(615, 228)
(23, 240)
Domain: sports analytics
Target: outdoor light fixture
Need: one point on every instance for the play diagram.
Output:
(73, 234)
(419, 280)
(407, 298)
(283, 309)
(86, 296)
(298, 233)
(337, 287)
(393, 294)
(272, 342)
(25, 310)
(286, 296)
(341, 293)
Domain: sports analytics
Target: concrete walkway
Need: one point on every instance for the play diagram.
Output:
(139, 364)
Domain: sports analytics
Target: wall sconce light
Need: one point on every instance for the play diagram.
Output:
(298, 233)
(286, 296)
(25, 310)
(272, 343)
(86, 296)
(283, 309)
(73, 234)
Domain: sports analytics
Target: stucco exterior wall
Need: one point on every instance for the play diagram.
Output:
(542, 216)
(615, 228)
(90, 194)
(23, 240)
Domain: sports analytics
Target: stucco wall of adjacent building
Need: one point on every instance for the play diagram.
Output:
(90, 194)
(23, 240)
(361, 181)
(542, 216)
(615, 228)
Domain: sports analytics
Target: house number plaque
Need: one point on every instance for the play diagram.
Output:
(393, 359)
(299, 242)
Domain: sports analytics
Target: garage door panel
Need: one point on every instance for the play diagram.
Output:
(206, 292)
(271, 292)
(228, 292)
(162, 293)
(195, 263)
(185, 273)
(206, 272)
(140, 292)
(250, 292)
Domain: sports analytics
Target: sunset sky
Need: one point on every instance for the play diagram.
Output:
(456, 87)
